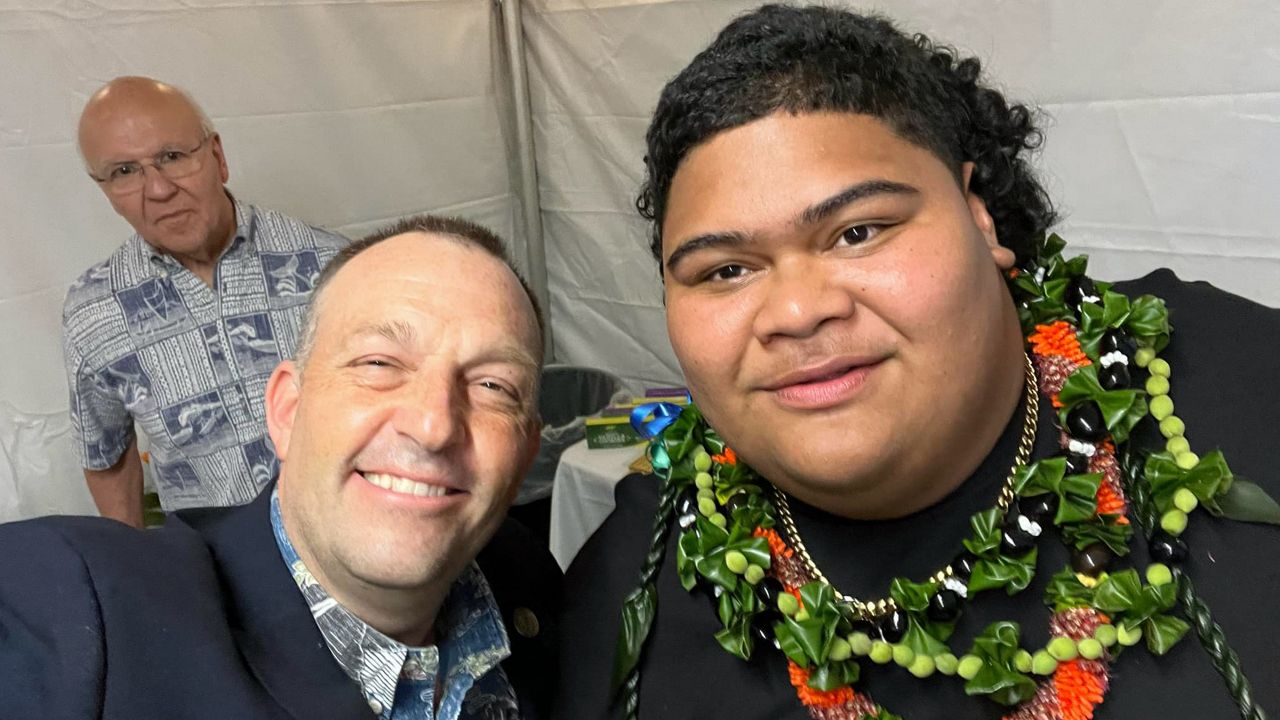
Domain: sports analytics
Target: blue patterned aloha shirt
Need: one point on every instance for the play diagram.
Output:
(400, 682)
(147, 341)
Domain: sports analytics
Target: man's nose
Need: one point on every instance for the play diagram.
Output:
(429, 411)
(801, 294)
(156, 184)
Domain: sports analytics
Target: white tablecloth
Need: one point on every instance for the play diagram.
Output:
(582, 495)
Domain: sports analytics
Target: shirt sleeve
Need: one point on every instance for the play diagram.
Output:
(101, 424)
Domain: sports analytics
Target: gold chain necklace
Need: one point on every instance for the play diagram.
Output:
(875, 608)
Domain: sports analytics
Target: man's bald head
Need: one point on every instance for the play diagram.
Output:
(155, 155)
(129, 94)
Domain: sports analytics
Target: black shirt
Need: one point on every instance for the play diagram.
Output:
(1225, 368)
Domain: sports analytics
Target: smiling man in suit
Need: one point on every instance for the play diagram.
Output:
(376, 575)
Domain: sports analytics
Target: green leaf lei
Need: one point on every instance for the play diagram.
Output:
(723, 549)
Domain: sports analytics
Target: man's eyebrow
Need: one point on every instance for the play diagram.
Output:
(820, 211)
(130, 160)
(515, 355)
(108, 165)
(397, 331)
(813, 214)
(404, 334)
(704, 242)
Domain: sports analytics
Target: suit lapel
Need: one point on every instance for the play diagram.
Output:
(271, 621)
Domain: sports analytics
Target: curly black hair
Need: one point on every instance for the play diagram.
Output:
(782, 58)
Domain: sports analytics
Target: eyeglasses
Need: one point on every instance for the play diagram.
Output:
(129, 177)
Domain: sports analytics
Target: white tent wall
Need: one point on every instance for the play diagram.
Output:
(1163, 149)
(344, 114)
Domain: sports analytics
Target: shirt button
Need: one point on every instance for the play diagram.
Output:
(526, 622)
(375, 706)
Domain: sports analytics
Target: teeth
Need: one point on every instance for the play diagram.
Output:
(425, 490)
(405, 486)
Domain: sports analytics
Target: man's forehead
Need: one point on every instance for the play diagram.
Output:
(159, 117)
(816, 153)
(438, 276)
(420, 256)
(857, 137)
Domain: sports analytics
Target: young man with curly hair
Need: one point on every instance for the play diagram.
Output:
(934, 470)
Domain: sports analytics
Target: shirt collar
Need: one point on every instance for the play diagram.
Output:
(471, 637)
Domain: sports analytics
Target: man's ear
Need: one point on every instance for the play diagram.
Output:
(282, 396)
(223, 171)
(1003, 256)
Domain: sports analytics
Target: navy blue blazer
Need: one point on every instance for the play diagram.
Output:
(201, 619)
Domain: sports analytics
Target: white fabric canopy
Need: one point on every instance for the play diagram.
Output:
(1164, 149)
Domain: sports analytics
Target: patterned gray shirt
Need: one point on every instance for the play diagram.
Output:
(147, 341)
(459, 678)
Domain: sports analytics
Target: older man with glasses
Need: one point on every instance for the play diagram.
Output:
(180, 328)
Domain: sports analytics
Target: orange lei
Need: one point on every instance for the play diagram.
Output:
(818, 698)
(1058, 339)
(1079, 690)
(777, 546)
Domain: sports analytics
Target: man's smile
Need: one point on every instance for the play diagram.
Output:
(404, 486)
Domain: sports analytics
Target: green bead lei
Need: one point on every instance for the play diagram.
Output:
(725, 542)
